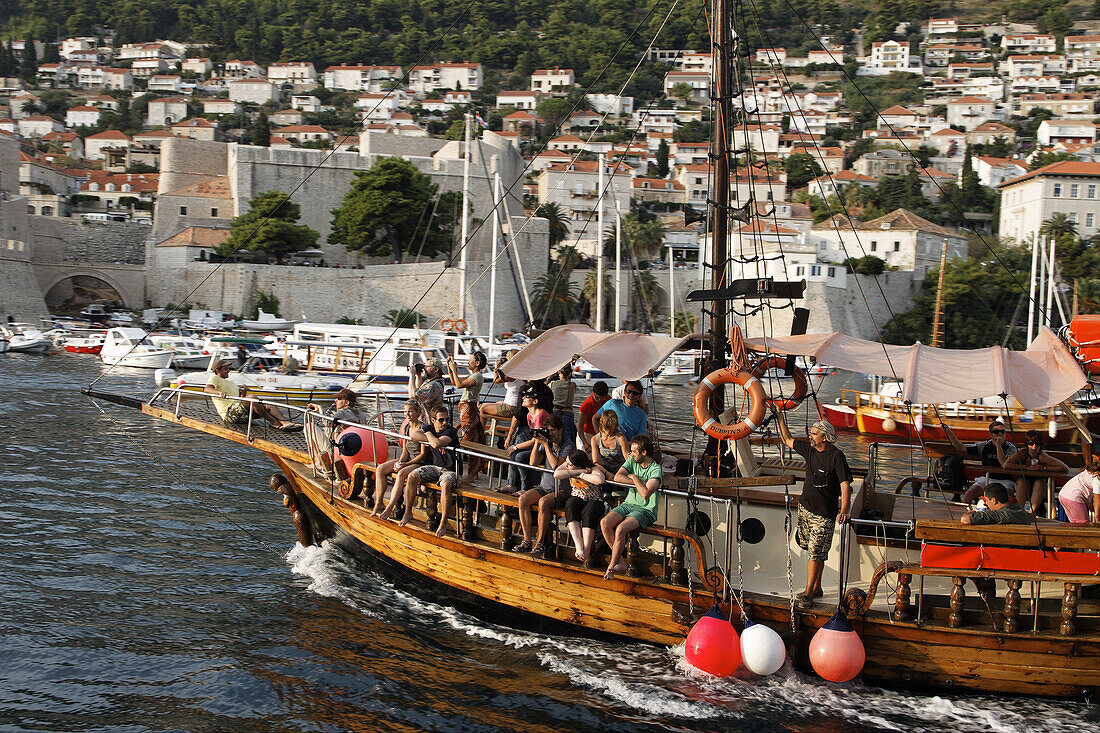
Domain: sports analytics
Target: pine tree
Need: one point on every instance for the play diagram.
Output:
(28, 67)
(261, 131)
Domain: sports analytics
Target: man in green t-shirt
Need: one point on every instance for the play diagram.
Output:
(235, 411)
(998, 509)
(639, 510)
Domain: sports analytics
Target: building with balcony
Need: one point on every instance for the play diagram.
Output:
(1067, 187)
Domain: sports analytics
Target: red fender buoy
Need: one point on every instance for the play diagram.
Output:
(712, 645)
(358, 445)
(836, 651)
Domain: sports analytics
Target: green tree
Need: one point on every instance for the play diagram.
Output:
(553, 111)
(588, 295)
(1058, 226)
(559, 223)
(568, 258)
(662, 159)
(387, 211)
(404, 318)
(261, 130)
(268, 227)
(866, 265)
(801, 168)
(554, 298)
(681, 90)
(28, 65)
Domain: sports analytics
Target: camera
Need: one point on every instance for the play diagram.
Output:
(419, 368)
(541, 433)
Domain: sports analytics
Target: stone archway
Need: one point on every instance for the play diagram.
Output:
(71, 293)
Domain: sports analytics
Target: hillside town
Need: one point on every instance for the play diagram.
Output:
(993, 130)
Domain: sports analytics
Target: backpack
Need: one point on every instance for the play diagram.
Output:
(948, 472)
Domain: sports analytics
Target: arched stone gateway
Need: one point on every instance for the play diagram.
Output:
(66, 286)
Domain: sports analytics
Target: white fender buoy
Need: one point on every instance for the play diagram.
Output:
(712, 645)
(918, 422)
(1052, 428)
(762, 650)
(836, 651)
(889, 425)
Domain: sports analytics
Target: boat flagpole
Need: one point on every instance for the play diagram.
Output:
(618, 265)
(462, 255)
(1031, 291)
(493, 261)
(671, 296)
(1041, 301)
(599, 248)
(1050, 284)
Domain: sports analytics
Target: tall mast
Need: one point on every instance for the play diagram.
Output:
(493, 261)
(1031, 290)
(719, 148)
(465, 224)
(599, 248)
(618, 265)
(937, 319)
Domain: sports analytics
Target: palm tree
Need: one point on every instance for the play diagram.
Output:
(645, 303)
(554, 298)
(559, 224)
(568, 258)
(588, 295)
(1058, 225)
(404, 318)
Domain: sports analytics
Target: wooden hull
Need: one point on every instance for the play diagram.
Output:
(546, 595)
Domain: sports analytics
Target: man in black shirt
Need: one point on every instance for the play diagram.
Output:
(993, 452)
(442, 439)
(828, 480)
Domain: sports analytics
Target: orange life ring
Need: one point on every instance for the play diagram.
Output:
(446, 324)
(701, 404)
(459, 324)
(801, 388)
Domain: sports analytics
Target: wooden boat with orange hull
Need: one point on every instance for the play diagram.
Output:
(928, 636)
(876, 414)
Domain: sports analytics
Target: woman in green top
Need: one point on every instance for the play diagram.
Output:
(470, 427)
(643, 474)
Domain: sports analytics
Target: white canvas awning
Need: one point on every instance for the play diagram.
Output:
(1044, 375)
(623, 354)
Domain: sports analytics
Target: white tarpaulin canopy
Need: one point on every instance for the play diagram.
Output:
(622, 354)
(1044, 375)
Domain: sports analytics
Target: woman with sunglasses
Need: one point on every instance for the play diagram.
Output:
(407, 461)
(1033, 457)
(470, 428)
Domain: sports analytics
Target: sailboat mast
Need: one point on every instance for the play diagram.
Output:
(671, 296)
(599, 248)
(493, 261)
(1031, 290)
(465, 223)
(618, 265)
(937, 319)
(719, 148)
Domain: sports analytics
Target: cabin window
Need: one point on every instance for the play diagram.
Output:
(1073, 191)
(213, 212)
(1057, 190)
(183, 211)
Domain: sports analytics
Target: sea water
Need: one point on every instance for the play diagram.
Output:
(152, 582)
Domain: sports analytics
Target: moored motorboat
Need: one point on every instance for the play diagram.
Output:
(130, 347)
(92, 344)
(267, 322)
(26, 339)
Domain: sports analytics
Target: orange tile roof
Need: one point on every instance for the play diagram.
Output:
(1061, 168)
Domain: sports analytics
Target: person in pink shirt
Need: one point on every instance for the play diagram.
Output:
(1081, 493)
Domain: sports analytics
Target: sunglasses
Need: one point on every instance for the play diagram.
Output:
(632, 392)
(442, 419)
(1034, 442)
(997, 432)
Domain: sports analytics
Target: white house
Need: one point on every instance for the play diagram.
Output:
(145, 68)
(96, 147)
(306, 103)
(39, 126)
(82, 116)
(1083, 53)
(304, 133)
(93, 77)
(298, 73)
(1013, 43)
(969, 112)
(1062, 105)
(834, 184)
(1066, 131)
(238, 69)
(993, 172)
(253, 91)
(889, 55)
(170, 83)
(165, 112)
(574, 187)
(553, 81)
(220, 107)
(612, 104)
(430, 79)
(198, 65)
(518, 100)
(699, 81)
(356, 78)
(941, 30)
(901, 238)
(1067, 187)
(1034, 65)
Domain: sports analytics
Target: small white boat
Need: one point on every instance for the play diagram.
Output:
(187, 353)
(678, 369)
(25, 338)
(130, 347)
(268, 322)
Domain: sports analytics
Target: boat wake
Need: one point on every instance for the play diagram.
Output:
(658, 682)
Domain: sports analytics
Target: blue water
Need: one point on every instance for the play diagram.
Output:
(152, 582)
